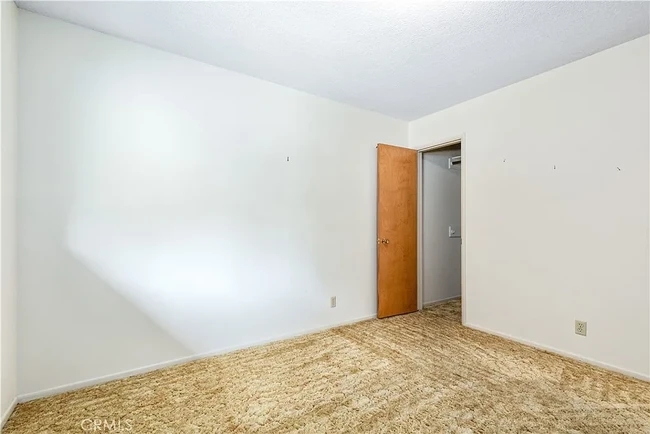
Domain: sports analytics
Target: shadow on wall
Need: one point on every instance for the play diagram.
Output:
(217, 244)
(139, 189)
(79, 323)
(177, 274)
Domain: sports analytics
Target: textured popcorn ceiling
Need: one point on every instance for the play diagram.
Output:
(405, 60)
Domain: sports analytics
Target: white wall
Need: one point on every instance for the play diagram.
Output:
(557, 206)
(8, 140)
(441, 271)
(159, 216)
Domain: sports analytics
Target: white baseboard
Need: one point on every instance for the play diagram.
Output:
(444, 300)
(142, 370)
(6, 414)
(587, 360)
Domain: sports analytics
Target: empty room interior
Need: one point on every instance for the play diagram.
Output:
(324, 217)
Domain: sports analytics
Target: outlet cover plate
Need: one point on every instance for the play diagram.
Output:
(581, 328)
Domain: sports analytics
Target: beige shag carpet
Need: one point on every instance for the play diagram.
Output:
(422, 372)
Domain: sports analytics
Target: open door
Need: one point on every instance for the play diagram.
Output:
(397, 196)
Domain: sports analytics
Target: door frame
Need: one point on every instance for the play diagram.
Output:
(463, 176)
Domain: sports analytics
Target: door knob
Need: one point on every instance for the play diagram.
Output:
(385, 241)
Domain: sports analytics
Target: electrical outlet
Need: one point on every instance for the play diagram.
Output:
(581, 328)
(333, 301)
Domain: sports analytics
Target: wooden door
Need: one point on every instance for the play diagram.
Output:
(397, 196)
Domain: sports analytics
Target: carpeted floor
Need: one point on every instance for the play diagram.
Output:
(422, 372)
